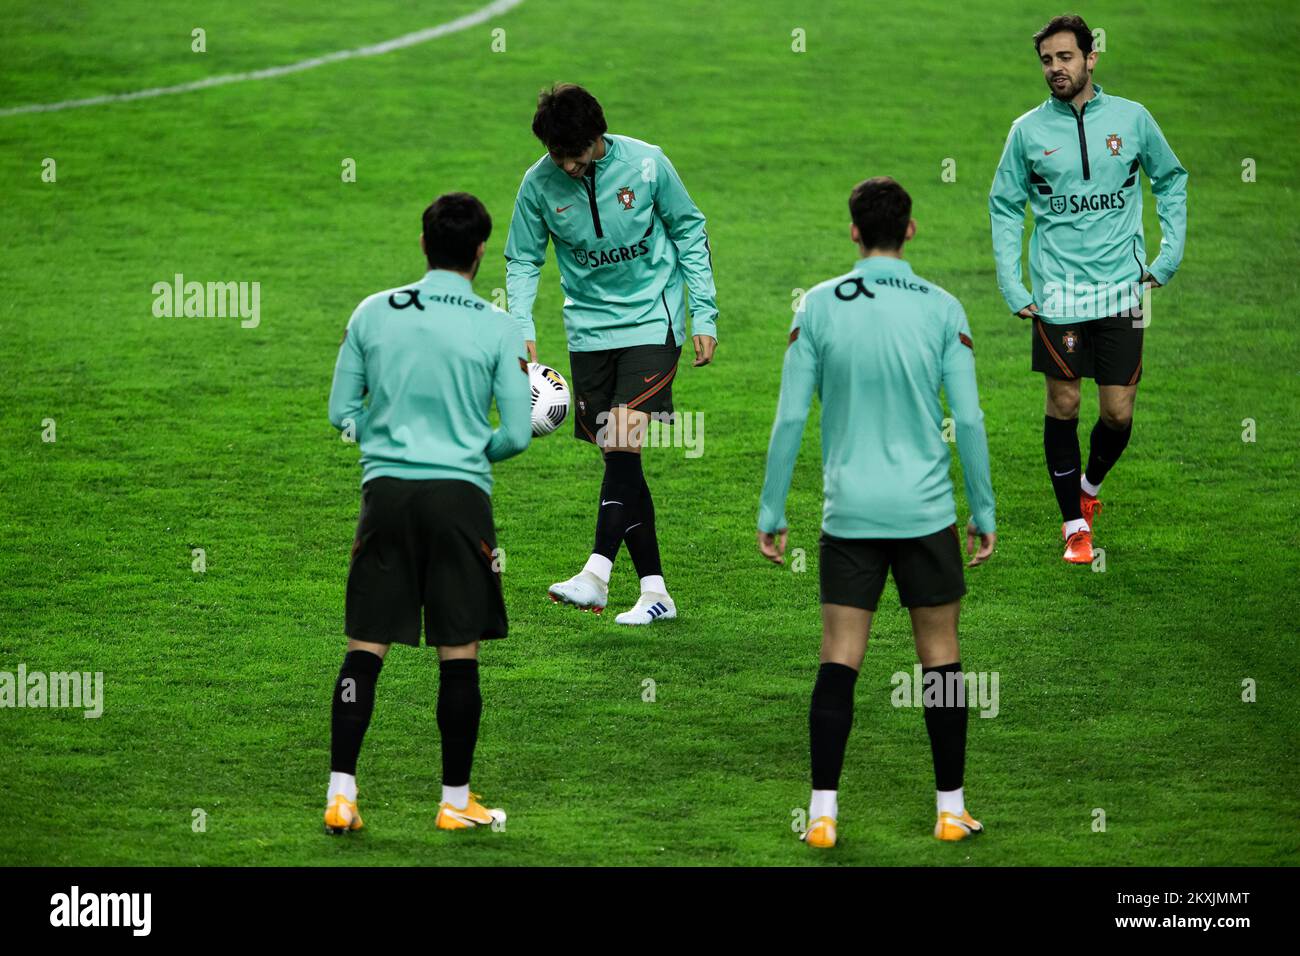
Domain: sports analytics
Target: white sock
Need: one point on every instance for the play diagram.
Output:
(653, 584)
(600, 566)
(950, 801)
(344, 783)
(458, 797)
(823, 804)
(1078, 524)
(1088, 487)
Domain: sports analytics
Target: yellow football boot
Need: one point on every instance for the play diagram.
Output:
(341, 815)
(952, 827)
(820, 833)
(467, 817)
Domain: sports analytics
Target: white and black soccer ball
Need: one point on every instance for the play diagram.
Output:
(550, 398)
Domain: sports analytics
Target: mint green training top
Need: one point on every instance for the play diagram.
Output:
(1078, 168)
(877, 344)
(628, 239)
(430, 358)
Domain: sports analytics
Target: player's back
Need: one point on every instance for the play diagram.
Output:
(880, 334)
(431, 353)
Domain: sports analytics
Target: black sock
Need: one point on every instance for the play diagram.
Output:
(946, 724)
(1104, 449)
(1061, 446)
(459, 707)
(642, 542)
(354, 701)
(830, 718)
(620, 493)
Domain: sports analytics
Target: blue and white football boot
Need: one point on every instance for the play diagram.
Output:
(650, 607)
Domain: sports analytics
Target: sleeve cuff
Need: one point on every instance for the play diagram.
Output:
(706, 325)
(1024, 301)
(1161, 273)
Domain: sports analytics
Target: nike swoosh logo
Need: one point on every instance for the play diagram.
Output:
(653, 377)
(570, 205)
(1062, 474)
(603, 503)
(462, 817)
(1049, 152)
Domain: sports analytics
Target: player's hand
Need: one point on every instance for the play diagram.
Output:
(704, 346)
(532, 350)
(986, 543)
(1150, 282)
(1028, 311)
(771, 545)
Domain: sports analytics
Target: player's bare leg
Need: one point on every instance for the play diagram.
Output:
(1110, 436)
(1064, 467)
(934, 629)
(845, 631)
(354, 701)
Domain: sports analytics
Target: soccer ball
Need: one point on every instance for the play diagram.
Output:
(550, 398)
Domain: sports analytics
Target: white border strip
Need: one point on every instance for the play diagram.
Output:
(494, 9)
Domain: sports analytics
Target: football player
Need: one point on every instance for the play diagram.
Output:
(417, 371)
(1075, 158)
(630, 245)
(878, 343)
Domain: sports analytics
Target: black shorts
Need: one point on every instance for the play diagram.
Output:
(639, 376)
(928, 570)
(1106, 350)
(424, 546)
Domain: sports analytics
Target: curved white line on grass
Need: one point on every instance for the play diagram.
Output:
(482, 15)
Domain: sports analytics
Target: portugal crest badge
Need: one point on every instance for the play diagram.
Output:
(1070, 340)
(1113, 143)
(1058, 204)
(626, 196)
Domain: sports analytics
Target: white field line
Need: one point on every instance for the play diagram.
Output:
(482, 15)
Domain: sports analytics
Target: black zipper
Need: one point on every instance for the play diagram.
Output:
(1083, 141)
(590, 183)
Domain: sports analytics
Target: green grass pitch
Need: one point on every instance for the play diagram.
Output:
(1120, 691)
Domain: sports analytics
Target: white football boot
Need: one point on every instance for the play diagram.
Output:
(583, 590)
(650, 607)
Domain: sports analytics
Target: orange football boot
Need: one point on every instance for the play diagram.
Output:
(1078, 546)
(1090, 507)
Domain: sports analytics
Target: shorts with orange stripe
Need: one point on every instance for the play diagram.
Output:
(639, 376)
(1109, 351)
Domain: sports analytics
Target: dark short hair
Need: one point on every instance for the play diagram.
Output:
(568, 119)
(454, 225)
(881, 209)
(1065, 23)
